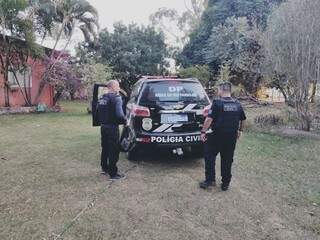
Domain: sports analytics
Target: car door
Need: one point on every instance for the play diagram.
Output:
(127, 137)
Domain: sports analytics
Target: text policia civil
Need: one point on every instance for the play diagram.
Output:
(176, 139)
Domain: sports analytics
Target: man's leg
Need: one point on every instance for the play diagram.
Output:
(104, 150)
(227, 152)
(114, 151)
(210, 153)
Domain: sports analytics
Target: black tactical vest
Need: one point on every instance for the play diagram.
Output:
(228, 115)
(106, 109)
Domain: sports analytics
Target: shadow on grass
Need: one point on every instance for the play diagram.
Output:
(165, 158)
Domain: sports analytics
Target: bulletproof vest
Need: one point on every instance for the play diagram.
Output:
(106, 109)
(228, 115)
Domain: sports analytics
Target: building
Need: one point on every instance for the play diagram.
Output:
(271, 95)
(25, 83)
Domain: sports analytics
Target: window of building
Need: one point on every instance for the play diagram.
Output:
(23, 77)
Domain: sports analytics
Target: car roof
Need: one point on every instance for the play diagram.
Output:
(161, 79)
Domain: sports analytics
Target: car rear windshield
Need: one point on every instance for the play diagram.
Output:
(173, 91)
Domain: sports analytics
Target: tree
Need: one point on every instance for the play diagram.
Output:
(235, 43)
(225, 73)
(62, 76)
(202, 73)
(227, 42)
(179, 26)
(291, 45)
(68, 15)
(17, 43)
(217, 12)
(72, 14)
(91, 73)
(133, 51)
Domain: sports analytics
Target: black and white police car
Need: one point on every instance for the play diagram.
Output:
(167, 113)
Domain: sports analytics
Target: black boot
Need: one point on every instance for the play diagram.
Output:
(206, 184)
(116, 177)
(224, 187)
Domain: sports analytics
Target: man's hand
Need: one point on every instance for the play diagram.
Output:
(239, 134)
(204, 137)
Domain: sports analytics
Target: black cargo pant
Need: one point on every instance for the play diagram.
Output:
(225, 144)
(110, 149)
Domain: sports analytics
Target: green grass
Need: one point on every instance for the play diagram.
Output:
(290, 165)
(49, 166)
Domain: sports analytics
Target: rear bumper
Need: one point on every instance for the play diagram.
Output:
(169, 140)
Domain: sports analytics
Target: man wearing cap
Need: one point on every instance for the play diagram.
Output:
(111, 115)
(226, 119)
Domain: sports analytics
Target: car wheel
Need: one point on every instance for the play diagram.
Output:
(133, 154)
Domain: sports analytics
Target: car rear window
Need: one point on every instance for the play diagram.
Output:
(173, 91)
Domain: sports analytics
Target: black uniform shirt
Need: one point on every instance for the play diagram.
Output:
(226, 114)
(110, 110)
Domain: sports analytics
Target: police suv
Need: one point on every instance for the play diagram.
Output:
(165, 112)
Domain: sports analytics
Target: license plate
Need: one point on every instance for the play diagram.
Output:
(174, 118)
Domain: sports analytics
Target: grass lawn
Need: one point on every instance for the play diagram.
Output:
(49, 173)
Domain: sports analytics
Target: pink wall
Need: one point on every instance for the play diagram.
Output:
(17, 99)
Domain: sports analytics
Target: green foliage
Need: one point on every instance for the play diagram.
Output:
(235, 43)
(228, 42)
(66, 16)
(217, 12)
(78, 13)
(17, 42)
(202, 73)
(92, 73)
(132, 51)
(15, 22)
(225, 73)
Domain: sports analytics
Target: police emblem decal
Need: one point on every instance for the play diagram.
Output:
(147, 124)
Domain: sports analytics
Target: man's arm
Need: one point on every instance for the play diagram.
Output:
(241, 125)
(242, 121)
(207, 124)
(240, 130)
(119, 110)
(209, 120)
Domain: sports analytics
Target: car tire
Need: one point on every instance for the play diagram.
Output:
(133, 154)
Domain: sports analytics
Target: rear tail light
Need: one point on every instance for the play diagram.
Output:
(140, 111)
(144, 140)
(206, 111)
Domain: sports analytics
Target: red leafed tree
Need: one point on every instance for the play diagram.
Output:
(62, 76)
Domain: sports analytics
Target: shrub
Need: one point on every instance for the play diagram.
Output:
(269, 120)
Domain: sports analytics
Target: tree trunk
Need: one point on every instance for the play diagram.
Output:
(313, 92)
(6, 89)
(304, 116)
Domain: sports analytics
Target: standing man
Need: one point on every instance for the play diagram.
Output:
(110, 114)
(226, 119)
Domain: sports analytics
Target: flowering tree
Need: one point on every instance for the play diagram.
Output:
(62, 76)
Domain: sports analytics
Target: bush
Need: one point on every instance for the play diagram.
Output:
(269, 120)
